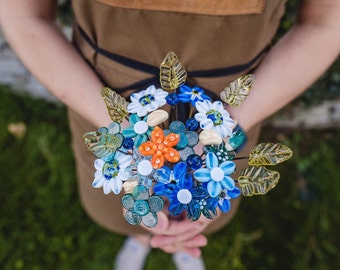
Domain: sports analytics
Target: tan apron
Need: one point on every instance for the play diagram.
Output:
(213, 36)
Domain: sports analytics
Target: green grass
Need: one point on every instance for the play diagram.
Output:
(44, 227)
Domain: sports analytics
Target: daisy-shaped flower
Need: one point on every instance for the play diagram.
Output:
(192, 95)
(147, 101)
(214, 116)
(184, 196)
(160, 148)
(225, 197)
(216, 175)
(139, 129)
(110, 174)
(141, 207)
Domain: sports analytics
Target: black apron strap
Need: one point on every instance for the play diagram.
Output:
(219, 72)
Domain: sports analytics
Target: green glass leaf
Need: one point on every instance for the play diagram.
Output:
(116, 104)
(269, 154)
(172, 74)
(238, 90)
(257, 180)
(102, 144)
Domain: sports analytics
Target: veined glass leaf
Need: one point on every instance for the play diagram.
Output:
(172, 74)
(238, 90)
(257, 180)
(269, 154)
(102, 145)
(115, 103)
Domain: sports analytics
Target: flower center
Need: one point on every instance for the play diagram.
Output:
(215, 117)
(217, 174)
(184, 196)
(110, 169)
(146, 100)
(141, 207)
(141, 127)
(144, 167)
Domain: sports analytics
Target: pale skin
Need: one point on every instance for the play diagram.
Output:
(292, 65)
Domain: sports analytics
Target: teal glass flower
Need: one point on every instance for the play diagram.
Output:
(139, 130)
(141, 207)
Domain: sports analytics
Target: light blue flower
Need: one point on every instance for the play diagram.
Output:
(214, 116)
(139, 129)
(192, 95)
(216, 175)
(110, 174)
(147, 101)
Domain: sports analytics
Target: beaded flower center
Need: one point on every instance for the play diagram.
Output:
(146, 100)
(215, 116)
(111, 169)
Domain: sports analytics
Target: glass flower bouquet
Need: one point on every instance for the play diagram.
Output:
(189, 164)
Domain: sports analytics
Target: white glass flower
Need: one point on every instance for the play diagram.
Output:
(111, 174)
(147, 101)
(214, 116)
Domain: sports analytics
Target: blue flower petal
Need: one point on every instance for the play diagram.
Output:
(179, 169)
(162, 174)
(202, 175)
(176, 208)
(225, 206)
(228, 167)
(228, 183)
(140, 138)
(129, 132)
(234, 193)
(134, 118)
(185, 182)
(214, 188)
(211, 160)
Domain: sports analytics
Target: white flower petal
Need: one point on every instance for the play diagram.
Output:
(98, 164)
(98, 181)
(206, 124)
(218, 106)
(124, 161)
(200, 116)
(107, 187)
(116, 185)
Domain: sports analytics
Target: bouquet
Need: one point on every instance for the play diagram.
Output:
(184, 166)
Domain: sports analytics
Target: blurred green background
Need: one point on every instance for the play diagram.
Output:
(43, 225)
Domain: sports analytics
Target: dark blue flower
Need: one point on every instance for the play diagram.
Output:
(192, 95)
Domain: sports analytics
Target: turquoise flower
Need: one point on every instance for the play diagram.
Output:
(216, 175)
(141, 207)
(139, 130)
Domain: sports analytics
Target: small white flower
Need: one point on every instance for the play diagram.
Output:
(110, 174)
(214, 116)
(147, 101)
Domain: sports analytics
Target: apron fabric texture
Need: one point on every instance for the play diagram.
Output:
(227, 34)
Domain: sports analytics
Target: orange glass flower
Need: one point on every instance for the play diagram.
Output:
(160, 148)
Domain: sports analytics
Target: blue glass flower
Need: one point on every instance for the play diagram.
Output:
(216, 175)
(139, 130)
(165, 175)
(225, 197)
(192, 95)
(141, 207)
(191, 124)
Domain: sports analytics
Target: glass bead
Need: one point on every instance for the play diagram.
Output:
(128, 143)
(194, 162)
(177, 127)
(172, 99)
(191, 124)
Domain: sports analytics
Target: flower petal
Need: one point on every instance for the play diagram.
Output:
(211, 160)
(116, 185)
(98, 164)
(228, 167)
(107, 187)
(202, 175)
(129, 132)
(228, 183)
(214, 188)
(150, 220)
(98, 181)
